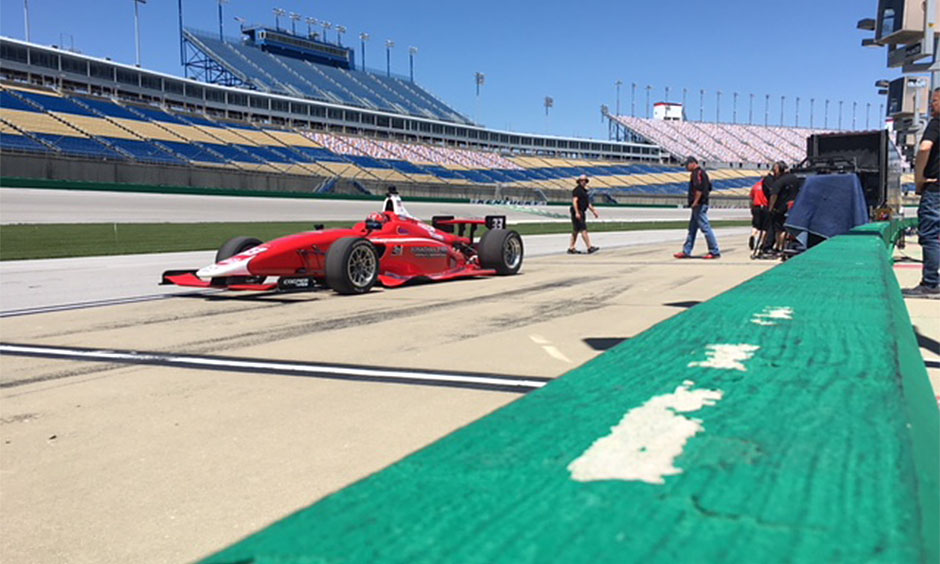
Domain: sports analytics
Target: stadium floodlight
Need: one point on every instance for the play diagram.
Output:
(632, 99)
(718, 107)
(326, 27)
(221, 37)
(648, 88)
(734, 107)
(797, 124)
(480, 79)
(883, 83)
(750, 110)
(412, 51)
(867, 24)
(26, 18)
(388, 57)
(340, 30)
(854, 105)
(811, 102)
(549, 103)
(294, 18)
(278, 12)
(137, 27)
(363, 37)
(701, 104)
(867, 111)
(840, 115)
(826, 115)
(783, 102)
(618, 84)
(310, 22)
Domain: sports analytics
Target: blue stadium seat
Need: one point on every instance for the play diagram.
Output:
(21, 143)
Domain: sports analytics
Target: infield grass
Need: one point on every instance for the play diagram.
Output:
(36, 241)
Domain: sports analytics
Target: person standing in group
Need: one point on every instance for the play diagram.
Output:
(699, 188)
(927, 184)
(580, 204)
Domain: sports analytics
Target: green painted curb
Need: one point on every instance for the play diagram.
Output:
(823, 449)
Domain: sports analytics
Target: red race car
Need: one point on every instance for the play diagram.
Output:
(390, 247)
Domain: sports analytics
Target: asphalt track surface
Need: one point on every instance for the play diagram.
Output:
(22, 205)
(151, 424)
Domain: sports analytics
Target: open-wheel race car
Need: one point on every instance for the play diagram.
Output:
(390, 247)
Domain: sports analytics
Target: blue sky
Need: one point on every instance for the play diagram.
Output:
(572, 51)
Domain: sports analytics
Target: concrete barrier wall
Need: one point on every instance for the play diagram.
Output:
(789, 419)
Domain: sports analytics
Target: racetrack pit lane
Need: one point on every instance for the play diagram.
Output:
(478, 381)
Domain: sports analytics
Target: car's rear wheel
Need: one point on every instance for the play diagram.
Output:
(501, 250)
(352, 265)
(237, 246)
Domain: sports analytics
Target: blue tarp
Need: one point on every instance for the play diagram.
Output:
(829, 205)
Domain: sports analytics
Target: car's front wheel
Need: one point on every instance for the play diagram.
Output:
(237, 246)
(352, 265)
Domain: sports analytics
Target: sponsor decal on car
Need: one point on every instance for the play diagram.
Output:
(429, 252)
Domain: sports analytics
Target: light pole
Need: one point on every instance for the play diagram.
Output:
(137, 27)
(812, 101)
(701, 105)
(854, 105)
(617, 84)
(766, 109)
(294, 18)
(632, 99)
(750, 109)
(718, 107)
(26, 17)
(783, 103)
(840, 115)
(734, 107)
(667, 95)
(278, 12)
(310, 23)
(648, 88)
(412, 51)
(479, 78)
(340, 30)
(684, 90)
(867, 111)
(797, 112)
(363, 37)
(220, 18)
(826, 115)
(388, 57)
(326, 27)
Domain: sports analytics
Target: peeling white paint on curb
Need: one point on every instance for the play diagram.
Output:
(646, 442)
(726, 357)
(772, 314)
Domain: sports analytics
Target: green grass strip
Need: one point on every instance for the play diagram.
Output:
(36, 241)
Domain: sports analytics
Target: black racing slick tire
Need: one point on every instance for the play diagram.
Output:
(352, 265)
(236, 246)
(501, 250)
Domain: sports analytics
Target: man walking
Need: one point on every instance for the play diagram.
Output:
(927, 184)
(699, 188)
(580, 204)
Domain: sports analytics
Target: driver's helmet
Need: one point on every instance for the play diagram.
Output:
(377, 216)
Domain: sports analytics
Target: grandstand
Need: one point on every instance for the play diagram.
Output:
(302, 126)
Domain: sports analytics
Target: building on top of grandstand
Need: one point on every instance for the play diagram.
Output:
(668, 111)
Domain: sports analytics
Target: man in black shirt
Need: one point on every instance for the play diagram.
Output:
(927, 184)
(699, 189)
(782, 195)
(580, 204)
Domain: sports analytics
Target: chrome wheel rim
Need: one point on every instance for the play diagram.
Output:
(512, 252)
(362, 266)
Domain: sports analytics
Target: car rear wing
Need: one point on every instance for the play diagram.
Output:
(450, 224)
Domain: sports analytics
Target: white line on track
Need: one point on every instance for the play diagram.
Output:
(483, 381)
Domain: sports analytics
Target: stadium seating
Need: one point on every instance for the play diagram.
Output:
(722, 142)
(45, 121)
(294, 77)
